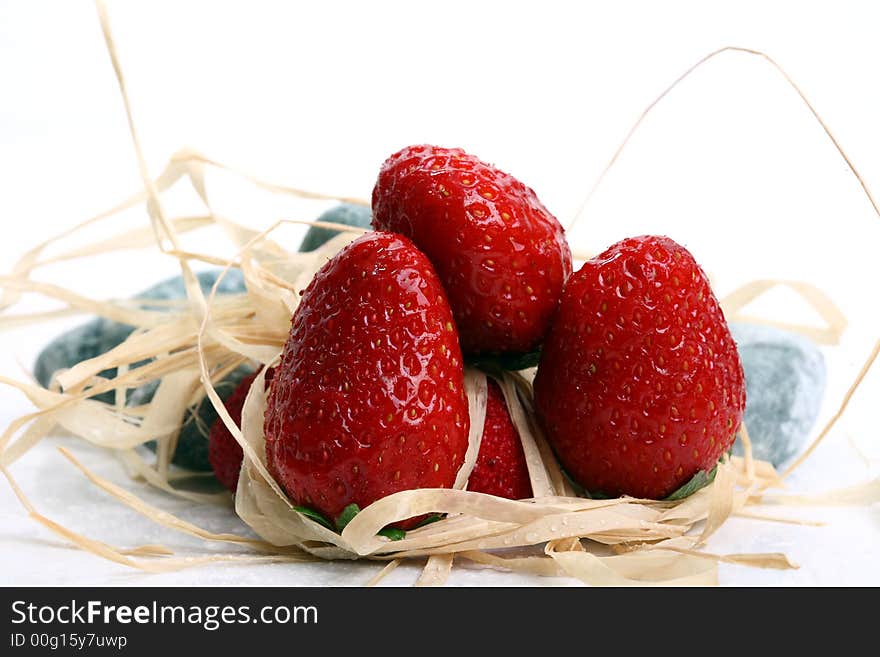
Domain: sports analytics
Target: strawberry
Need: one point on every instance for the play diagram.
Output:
(501, 256)
(224, 452)
(640, 386)
(369, 396)
(501, 464)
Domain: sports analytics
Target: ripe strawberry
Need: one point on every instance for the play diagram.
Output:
(369, 396)
(640, 385)
(501, 256)
(501, 464)
(224, 452)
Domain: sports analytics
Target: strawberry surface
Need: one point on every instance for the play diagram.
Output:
(224, 452)
(501, 256)
(369, 396)
(640, 385)
(501, 464)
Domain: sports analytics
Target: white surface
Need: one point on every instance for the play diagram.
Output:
(316, 95)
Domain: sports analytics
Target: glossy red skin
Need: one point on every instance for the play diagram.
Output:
(501, 468)
(224, 452)
(640, 385)
(501, 256)
(369, 396)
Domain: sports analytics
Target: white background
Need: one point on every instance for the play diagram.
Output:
(316, 95)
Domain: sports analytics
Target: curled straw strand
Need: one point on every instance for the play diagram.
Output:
(681, 78)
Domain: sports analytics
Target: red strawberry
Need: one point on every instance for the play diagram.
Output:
(640, 385)
(224, 452)
(500, 254)
(369, 396)
(501, 464)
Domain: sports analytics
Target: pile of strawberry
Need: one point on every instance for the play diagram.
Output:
(639, 386)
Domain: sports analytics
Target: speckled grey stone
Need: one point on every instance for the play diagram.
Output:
(101, 335)
(785, 383)
(192, 443)
(345, 213)
(78, 344)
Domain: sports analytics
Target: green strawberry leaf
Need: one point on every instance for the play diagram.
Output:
(434, 517)
(491, 363)
(580, 490)
(698, 481)
(515, 362)
(347, 515)
(393, 533)
(314, 515)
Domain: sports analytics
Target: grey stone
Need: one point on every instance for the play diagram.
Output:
(100, 335)
(785, 383)
(345, 213)
(192, 442)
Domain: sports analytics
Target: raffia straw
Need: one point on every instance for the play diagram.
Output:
(863, 494)
(771, 560)
(786, 521)
(41, 427)
(140, 469)
(436, 570)
(122, 556)
(685, 75)
(747, 452)
(158, 515)
(189, 156)
(154, 204)
(30, 260)
(539, 477)
(136, 238)
(540, 566)
(147, 551)
(834, 319)
(382, 574)
(648, 568)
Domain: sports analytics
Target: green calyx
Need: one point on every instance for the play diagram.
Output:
(493, 363)
(347, 515)
(311, 514)
(393, 533)
(700, 480)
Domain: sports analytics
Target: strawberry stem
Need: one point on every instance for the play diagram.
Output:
(313, 515)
